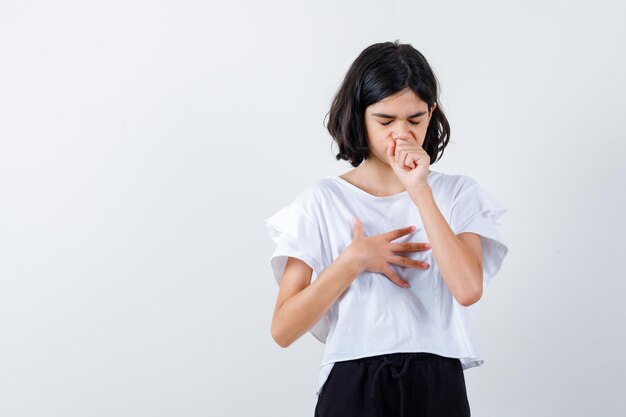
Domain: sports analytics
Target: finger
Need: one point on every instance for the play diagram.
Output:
(394, 234)
(358, 228)
(408, 160)
(425, 159)
(395, 278)
(408, 262)
(409, 246)
(390, 152)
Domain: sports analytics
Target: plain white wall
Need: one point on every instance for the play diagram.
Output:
(142, 144)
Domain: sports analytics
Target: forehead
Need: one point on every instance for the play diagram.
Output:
(405, 100)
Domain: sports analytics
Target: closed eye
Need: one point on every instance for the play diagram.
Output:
(413, 123)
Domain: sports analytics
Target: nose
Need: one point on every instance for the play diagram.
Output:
(403, 131)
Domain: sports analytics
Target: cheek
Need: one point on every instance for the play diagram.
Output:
(381, 148)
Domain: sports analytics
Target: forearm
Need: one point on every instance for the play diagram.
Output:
(456, 262)
(301, 311)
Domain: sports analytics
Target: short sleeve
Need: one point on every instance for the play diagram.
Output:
(298, 236)
(476, 210)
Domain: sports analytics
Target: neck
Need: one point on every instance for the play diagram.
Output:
(380, 176)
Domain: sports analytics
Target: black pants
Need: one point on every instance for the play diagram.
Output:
(397, 384)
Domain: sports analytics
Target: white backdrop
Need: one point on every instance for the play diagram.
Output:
(142, 144)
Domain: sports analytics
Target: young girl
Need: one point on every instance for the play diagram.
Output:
(386, 263)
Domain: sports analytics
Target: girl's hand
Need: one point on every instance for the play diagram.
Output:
(409, 161)
(373, 253)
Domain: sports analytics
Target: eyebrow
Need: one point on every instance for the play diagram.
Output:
(388, 116)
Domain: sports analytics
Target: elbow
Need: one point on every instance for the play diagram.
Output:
(279, 337)
(471, 297)
(469, 300)
(283, 343)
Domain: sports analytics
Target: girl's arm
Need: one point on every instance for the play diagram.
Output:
(459, 259)
(301, 304)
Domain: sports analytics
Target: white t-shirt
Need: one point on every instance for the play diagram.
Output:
(375, 316)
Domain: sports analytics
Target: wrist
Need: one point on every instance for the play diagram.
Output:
(351, 261)
(419, 191)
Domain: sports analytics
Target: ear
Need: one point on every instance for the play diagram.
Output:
(432, 109)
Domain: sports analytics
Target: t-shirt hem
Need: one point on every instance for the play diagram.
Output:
(467, 362)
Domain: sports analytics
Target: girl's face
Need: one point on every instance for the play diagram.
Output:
(400, 116)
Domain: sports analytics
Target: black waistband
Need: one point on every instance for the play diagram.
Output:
(398, 358)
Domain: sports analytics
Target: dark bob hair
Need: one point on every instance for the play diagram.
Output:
(382, 70)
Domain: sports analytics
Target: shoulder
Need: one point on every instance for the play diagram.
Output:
(451, 185)
(318, 190)
(316, 195)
